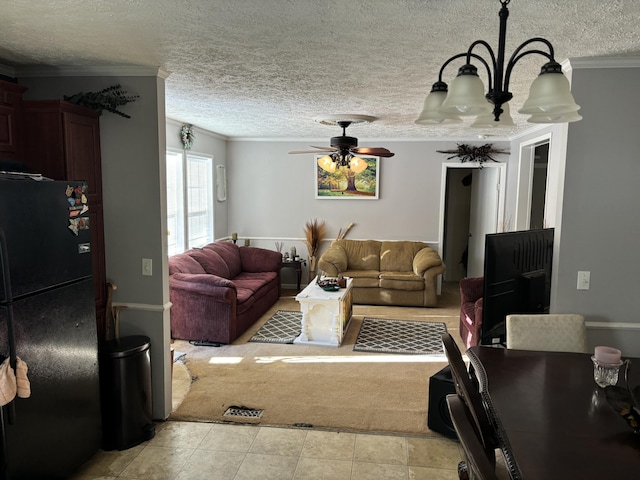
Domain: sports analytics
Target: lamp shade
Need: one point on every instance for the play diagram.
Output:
(549, 93)
(327, 163)
(357, 164)
(466, 94)
(561, 117)
(431, 114)
(488, 120)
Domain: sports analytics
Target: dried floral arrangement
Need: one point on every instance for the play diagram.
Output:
(106, 99)
(314, 231)
(343, 233)
(469, 153)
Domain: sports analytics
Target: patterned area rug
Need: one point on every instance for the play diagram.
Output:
(282, 327)
(399, 336)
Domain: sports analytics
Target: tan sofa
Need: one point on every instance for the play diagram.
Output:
(386, 273)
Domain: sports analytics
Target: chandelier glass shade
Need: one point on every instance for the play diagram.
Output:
(330, 163)
(431, 113)
(550, 99)
(487, 120)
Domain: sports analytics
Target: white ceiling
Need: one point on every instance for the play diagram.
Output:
(267, 68)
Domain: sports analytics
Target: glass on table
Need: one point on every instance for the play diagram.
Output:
(606, 365)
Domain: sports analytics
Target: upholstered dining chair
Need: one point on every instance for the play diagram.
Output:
(476, 464)
(547, 332)
(467, 389)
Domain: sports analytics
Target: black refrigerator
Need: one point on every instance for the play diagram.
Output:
(47, 319)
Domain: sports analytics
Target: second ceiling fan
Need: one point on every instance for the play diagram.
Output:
(344, 150)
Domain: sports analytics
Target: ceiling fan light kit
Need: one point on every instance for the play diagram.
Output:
(550, 99)
(344, 150)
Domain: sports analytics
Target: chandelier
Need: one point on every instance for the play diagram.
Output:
(550, 99)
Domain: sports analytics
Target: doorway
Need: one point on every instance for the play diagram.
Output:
(539, 186)
(531, 210)
(471, 207)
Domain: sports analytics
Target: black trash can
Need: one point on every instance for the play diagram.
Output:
(125, 382)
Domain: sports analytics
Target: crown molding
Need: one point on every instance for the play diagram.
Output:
(605, 62)
(89, 71)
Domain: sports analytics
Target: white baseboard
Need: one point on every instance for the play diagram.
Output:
(612, 326)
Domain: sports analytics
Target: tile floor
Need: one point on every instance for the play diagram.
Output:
(193, 451)
(190, 450)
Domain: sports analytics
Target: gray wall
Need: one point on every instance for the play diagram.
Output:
(134, 206)
(600, 221)
(595, 212)
(271, 193)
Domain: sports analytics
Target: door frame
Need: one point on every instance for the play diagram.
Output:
(525, 180)
(443, 193)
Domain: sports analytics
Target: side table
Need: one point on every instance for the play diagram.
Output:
(297, 266)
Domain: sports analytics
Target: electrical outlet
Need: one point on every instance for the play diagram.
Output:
(147, 267)
(584, 278)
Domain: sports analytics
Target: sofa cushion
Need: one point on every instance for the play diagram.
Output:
(361, 254)
(401, 281)
(183, 263)
(252, 287)
(364, 278)
(398, 256)
(229, 253)
(259, 259)
(211, 262)
(254, 281)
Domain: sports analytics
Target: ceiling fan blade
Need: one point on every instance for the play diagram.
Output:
(307, 151)
(326, 149)
(378, 152)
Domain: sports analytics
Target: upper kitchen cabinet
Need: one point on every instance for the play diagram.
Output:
(10, 102)
(62, 141)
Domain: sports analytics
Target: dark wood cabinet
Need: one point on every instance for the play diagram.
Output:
(62, 142)
(10, 103)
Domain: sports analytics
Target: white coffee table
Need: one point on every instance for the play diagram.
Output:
(325, 315)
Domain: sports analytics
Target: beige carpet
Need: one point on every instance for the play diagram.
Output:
(323, 387)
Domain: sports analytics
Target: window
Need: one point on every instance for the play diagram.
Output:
(189, 200)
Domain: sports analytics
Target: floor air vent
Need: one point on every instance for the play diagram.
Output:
(243, 412)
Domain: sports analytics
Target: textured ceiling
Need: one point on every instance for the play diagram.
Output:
(267, 68)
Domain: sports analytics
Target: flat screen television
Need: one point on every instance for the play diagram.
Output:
(517, 279)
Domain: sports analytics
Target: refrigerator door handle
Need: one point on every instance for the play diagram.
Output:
(4, 266)
(11, 339)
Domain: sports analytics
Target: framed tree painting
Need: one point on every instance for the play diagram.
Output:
(346, 184)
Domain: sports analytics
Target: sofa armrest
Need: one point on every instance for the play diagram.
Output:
(333, 261)
(254, 259)
(478, 311)
(471, 289)
(203, 284)
(425, 259)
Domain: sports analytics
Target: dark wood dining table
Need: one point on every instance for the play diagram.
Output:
(552, 420)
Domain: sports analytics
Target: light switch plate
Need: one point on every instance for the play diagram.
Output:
(147, 267)
(584, 279)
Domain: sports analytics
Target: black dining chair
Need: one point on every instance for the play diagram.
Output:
(468, 391)
(477, 464)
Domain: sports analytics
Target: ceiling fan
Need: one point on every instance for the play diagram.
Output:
(344, 150)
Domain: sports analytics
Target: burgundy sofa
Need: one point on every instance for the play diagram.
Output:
(217, 292)
(471, 302)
